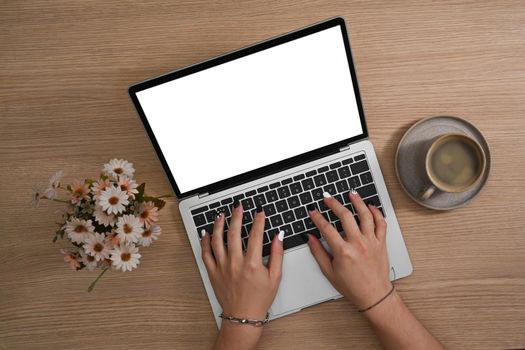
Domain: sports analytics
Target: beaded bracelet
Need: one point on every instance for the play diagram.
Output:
(256, 323)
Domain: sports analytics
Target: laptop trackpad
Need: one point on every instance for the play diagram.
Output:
(302, 284)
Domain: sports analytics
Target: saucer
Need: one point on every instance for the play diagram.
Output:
(409, 160)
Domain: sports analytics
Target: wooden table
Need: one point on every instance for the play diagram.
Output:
(65, 67)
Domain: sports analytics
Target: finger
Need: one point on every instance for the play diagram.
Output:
(321, 255)
(275, 262)
(234, 233)
(329, 232)
(379, 221)
(346, 216)
(207, 256)
(217, 240)
(365, 216)
(255, 241)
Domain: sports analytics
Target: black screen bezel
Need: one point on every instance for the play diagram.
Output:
(268, 169)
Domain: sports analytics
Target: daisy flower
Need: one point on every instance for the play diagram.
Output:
(95, 246)
(125, 257)
(70, 259)
(149, 235)
(54, 183)
(119, 167)
(112, 241)
(129, 229)
(103, 218)
(99, 186)
(112, 200)
(79, 191)
(79, 230)
(148, 213)
(128, 185)
(89, 261)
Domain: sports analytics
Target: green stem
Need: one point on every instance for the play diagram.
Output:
(165, 196)
(92, 285)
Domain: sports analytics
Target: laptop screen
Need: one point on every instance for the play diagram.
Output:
(253, 111)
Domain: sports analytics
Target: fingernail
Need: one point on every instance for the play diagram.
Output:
(326, 195)
(353, 191)
(371, 205)
(203, 233)
(305, 237)
(218, 216)
(280, 236)
(310, 207)
(258, 209)
(236, 203)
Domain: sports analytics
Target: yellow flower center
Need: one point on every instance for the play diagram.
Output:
(118, 170)
(98, 247)
(113, 200)
(125, 256)
(127, 228)
(80, 229)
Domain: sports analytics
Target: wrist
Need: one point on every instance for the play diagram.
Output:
(389, 306)
(238, 336)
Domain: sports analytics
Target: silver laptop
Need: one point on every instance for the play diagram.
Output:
(274, 124)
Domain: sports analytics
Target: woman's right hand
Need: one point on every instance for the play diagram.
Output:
(358, 267)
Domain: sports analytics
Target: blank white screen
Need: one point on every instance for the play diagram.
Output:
(255, 110)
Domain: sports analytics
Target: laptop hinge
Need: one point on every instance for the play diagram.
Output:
(202, 195)
(345, 148)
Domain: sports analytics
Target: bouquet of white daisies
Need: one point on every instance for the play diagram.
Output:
(106, 220)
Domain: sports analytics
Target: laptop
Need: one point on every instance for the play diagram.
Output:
(274, 124)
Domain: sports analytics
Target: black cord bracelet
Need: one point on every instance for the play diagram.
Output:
(256, 323)
(379, 302)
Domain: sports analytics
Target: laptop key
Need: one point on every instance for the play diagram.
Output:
(311, 173)
(359, 167)
(346, 198)
(339, 198)
(199, 210)
(308, 223)
(259, 200)
(322, 206)
(320, 180)
(275, 185)
(266, 250)
(351, 208)
(342, 186)
(225, 210)
(296, 188)
(344, 172)
(272, 233)
(262, 189)
(283, 192)
(298, 226)
(288, 216)
(293, 241)
(281, 206)
(276, 220)
(250, 193)
(373, 200)
(227, 201)
(293, 202)
(265, 238)
(239, 197)
(308, 184)
(199, 220)
(367, 191)
(247, 204)
(269, 209)
(359, 157)
(267, 224)
(335, 165)
(354, 182)
(317, 193)
(244, 232)
(316, 233)
(210, 215)
(246, 217)
(305, 198)
(300, 212)
(215, 205)
(208, 228)
(348, 161)
(286, 181)
(271, 196)
(287, 230)
(298, 177)
(331, 176)
(366, 178)
(330, 189)
(322, 169)
(339, 226)
(332, 216)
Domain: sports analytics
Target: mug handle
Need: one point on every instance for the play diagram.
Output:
(427, 192)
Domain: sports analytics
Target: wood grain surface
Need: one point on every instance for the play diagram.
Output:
(65, 67)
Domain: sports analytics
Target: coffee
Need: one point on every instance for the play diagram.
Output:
(455, 163)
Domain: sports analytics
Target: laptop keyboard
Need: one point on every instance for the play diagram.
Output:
(284, 202)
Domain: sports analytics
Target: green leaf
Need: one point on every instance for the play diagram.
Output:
(69, 188)
(139, 196)
(103, 176)
(89, 182)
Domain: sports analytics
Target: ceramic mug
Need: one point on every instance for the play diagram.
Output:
(453, 163)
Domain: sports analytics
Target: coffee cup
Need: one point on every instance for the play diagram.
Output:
(454, 163)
